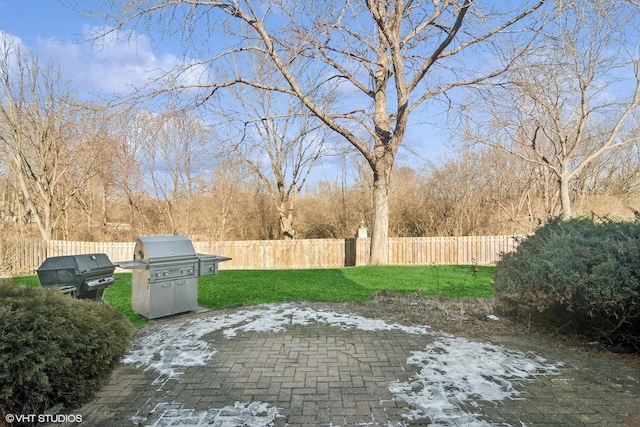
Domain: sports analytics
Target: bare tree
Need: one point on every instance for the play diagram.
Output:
(92, 197)
(335, 208)
(575, 99)
(388, 58)
(227, 201)
(279, 144)
(42, 136)
(176, 153)
(126, 134)
(408, 208)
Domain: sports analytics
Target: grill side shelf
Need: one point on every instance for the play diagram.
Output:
(133, 265)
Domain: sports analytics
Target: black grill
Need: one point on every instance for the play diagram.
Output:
(83, 276)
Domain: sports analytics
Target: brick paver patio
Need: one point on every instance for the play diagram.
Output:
(321, 375)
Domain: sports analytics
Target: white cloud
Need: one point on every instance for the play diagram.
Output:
(108, 61)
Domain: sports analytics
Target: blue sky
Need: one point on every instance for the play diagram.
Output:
(54, 32)
(35, 21)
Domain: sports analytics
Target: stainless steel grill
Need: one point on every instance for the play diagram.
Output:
(83, 276)
(165, 275)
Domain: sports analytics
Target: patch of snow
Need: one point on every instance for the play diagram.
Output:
(275, 318)
(254, 414)
(176, 346)
(492, 317)
(456, 373)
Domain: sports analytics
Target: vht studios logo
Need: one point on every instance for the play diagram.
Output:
(43, 418)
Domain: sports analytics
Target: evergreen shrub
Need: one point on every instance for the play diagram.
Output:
(580, 277)
(55, 350)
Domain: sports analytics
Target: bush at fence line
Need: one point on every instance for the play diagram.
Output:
(579, 276)
(55, 350)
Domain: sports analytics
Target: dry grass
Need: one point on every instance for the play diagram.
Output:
(466, 316)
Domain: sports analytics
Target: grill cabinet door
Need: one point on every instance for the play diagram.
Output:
(186, 295)
(162, 299)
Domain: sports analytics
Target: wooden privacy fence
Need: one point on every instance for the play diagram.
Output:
(22, 256)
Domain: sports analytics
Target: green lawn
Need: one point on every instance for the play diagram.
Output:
(251, 287)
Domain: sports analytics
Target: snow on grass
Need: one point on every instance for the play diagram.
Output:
(456, 373)
(254, 414)
(169, 349)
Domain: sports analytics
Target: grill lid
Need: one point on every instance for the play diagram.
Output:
(73, 269)
(163, 248)
(79, 263)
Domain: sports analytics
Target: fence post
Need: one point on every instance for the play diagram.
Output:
(360, 244)
(349, 252)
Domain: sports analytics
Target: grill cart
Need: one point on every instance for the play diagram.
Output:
(165, 275)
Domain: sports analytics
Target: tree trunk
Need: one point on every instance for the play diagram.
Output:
(285, 212)
(103, 214)
(42, 217)
(286, 227)
(380, 222)
(565, 199)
